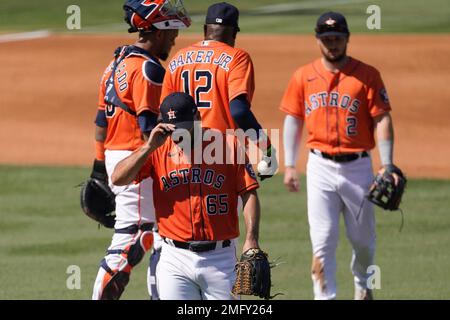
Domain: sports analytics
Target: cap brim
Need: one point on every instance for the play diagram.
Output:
(331, 33)
(187, 125)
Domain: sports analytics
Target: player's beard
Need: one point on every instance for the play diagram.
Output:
(334, 59)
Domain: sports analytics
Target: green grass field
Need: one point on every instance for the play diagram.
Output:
(287, 16)
(43, 231)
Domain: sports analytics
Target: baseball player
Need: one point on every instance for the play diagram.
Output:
(342, 101)
(196, 208)
(221, 79)
(128, 107)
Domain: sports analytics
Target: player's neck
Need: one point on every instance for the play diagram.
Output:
(335, 66)
(147, 46)
(227, 41)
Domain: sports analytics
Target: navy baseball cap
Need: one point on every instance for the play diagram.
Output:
(178, 108)
(223, 13)
(331, 24)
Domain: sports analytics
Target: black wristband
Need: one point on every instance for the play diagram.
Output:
(99, 170)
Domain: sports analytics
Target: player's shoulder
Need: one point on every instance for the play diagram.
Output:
(364, 67)
(108, 70)
(184, 50)
(306, 70)
(150, 68)
(153, 71)
(240, 53)
(181, 53)
(139, 60)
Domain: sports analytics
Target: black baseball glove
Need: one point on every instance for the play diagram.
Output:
(253, 274)
(384, 191)
(97, 199)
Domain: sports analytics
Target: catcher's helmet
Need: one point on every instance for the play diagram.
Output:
(147, 15)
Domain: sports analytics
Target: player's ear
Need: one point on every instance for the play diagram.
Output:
(235, 32)
(318, 40)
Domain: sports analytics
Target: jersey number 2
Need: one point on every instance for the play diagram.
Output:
(202, 84)
(352, 123)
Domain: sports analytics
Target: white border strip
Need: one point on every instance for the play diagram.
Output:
(24, 36)
(287, 7)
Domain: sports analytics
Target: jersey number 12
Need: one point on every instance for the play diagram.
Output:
(202, 85)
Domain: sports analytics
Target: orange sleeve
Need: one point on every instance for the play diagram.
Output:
(101, 93)
(145, 94)
(292, 102)
(241, 78)
(245, 178)
(378, 100)
(102, 87)
(145, 171)
(100, 150)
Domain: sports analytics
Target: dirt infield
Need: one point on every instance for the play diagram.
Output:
(49, 93)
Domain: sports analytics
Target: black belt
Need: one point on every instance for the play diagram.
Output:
(341, 157)
(134, 228)
(197, 246)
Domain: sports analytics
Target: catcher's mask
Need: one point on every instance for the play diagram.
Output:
(148, 15)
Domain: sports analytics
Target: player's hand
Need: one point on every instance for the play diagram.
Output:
(291, 180)
(250, 244)
(159, 135)
(268, 165)
(394, 175)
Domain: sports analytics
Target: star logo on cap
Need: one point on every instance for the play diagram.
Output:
(171, 114)
(330, 22)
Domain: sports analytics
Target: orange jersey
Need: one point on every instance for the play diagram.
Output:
(138, 83)
(213, 73)
(196, 202)
(338, 109)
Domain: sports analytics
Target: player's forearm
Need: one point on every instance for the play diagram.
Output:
(292, 134)
(246, 120)
(242, 114)
(385, 135)
(100, 137)
(252, 212)
(127, 170)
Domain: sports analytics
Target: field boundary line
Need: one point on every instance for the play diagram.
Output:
(23, 36)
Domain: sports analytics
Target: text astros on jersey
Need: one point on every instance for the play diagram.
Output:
(339, 108)
(196, 202)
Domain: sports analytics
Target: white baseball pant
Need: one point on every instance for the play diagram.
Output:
(134, 206)
(185, 275)
(333, 188)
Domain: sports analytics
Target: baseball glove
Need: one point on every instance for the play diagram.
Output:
(384, 191)
(253, 274)
(96, 198)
